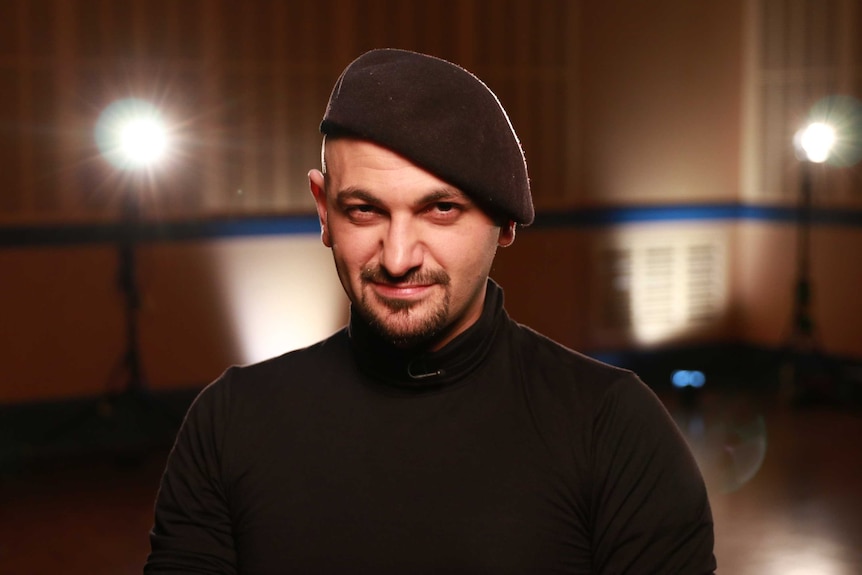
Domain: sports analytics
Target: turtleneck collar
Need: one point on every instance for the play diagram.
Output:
(421, 370)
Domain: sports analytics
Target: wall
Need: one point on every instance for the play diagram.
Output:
(796, 57)
(205, 304)
(243, 87)
(661, 99)
(766, 283)
(619, 104)
(657, 89)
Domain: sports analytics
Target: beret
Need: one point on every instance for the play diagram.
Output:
(440, 117)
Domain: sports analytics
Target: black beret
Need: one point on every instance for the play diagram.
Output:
(440, 117)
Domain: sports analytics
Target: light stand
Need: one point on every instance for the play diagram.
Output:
(127, 281)
(132, 393)
(802, 329)
(804, 375)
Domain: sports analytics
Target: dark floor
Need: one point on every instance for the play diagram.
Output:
(785, 483)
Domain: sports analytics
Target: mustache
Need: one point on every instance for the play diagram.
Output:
(413, 277)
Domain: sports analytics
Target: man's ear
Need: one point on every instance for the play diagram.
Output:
(318, 190)
(507, 234)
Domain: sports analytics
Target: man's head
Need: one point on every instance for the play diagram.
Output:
(424, 179)
(440, 117)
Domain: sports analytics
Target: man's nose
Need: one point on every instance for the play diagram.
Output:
(402, 249)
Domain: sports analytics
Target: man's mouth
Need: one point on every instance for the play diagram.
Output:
(412, 286)
(409, 291)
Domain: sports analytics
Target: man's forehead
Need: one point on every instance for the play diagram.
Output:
(347, 154)
(345, 145)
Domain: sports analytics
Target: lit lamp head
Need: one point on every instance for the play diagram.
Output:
(815, 142)
(131, 135)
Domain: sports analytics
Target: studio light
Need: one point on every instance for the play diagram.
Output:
(815, 142)
(132, 134)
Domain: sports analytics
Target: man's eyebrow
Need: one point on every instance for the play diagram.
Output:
(443, 195)
(353, 193)
(440, 195)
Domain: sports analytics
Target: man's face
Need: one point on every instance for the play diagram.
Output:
(412, 252)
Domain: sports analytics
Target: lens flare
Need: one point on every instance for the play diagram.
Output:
(844, 115)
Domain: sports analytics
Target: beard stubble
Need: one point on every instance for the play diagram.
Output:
(397, 321)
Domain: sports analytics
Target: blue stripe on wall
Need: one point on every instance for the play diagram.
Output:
(161, 231)
(609, 216)
(34, 235)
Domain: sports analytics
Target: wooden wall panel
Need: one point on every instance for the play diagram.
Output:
(245, 85)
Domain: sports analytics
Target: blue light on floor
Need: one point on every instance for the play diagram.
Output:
(687, 378)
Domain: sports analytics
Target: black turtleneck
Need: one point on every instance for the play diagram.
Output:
(410, 369)
(520, 456)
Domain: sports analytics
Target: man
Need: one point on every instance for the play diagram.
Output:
(433, 434)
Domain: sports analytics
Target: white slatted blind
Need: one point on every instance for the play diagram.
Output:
(653, 287)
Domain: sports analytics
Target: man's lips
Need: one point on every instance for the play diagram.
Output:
(401, 291)
(409, 288)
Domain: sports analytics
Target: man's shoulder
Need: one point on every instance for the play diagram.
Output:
(565, 377)
(545, 354)
(292, 367)
(316, 355)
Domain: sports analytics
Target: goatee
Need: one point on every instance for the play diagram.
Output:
(397, 326)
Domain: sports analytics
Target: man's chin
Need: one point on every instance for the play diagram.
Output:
(394, 306)
(404, 332)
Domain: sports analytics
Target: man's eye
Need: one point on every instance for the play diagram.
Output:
(444, 212)
(448, 209)
(360, 209)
